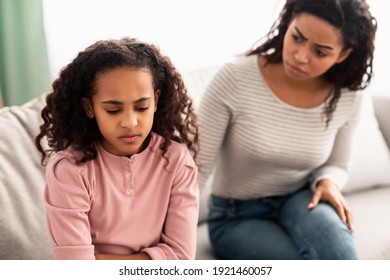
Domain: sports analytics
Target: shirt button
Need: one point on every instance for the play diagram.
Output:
(130, 192)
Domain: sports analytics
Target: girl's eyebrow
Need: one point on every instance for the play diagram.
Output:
(318, 45)
(112, 102)
(116, 102)
(142, 99)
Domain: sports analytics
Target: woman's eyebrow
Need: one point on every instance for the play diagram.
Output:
(300, 33)
(318, 45)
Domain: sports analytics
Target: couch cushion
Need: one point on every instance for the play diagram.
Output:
(23, 232)
(371, 211)
(370, 159)
(204, 250)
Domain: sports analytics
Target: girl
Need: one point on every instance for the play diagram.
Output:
(121, 186)
(279, 124)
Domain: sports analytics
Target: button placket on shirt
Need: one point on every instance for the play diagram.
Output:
(129, 185)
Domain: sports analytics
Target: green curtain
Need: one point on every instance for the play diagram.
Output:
(24, 67)
(1, 98)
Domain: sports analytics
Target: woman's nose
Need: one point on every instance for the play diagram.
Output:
(302, 55)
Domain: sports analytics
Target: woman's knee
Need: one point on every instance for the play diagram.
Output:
(319, 233)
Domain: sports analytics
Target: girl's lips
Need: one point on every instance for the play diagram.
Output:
(129, 138)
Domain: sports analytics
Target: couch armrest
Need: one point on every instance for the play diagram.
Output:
(23, 229)
(382, 112)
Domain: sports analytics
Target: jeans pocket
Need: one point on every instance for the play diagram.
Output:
(218, 220)
(217, 213)
(220, 209)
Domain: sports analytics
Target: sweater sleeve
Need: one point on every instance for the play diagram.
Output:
(336, 167)
(216, 113)
(67, 205)
(178, 238)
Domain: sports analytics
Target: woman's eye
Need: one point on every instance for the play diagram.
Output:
(296, 38)
(321, 54)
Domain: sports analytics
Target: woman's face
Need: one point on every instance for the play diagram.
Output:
(123, 106)
(311, 47)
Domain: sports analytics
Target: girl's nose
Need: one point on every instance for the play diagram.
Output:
(129, 120)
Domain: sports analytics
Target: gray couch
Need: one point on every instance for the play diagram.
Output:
(23, 233)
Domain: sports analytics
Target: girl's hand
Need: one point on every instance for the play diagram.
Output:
(327, 191)
(140, 256)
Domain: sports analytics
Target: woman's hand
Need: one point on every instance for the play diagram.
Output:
(327, 191)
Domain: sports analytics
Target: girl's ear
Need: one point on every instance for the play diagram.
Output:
(344, 55)
(156, 96)
(87, 106)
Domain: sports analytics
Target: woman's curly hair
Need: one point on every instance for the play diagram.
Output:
(65, 122)
(358, 28)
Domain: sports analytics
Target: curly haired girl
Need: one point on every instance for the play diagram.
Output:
(122, 182)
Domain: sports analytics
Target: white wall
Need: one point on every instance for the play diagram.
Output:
(194, 33)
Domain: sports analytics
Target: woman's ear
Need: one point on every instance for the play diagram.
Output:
(344, 55)
(156, 96)
(87, 106)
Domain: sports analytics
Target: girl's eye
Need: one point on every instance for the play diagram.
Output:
(142, 109)
(112, 112)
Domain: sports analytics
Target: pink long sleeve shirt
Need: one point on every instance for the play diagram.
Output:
(120, 205)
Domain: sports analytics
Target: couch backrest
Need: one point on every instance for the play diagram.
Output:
(370, 159)
(382, 112)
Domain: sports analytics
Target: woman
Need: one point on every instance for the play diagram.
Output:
(277, 126)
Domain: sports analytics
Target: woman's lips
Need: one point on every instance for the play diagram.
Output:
(295, 70)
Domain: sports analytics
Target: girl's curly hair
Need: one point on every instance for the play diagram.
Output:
(358, 28)
(65, 122)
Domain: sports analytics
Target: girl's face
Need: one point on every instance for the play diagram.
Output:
(311, 47)
(123, 106)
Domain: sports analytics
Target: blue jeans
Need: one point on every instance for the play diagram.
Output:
(278, 228)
